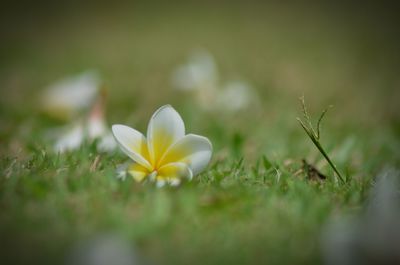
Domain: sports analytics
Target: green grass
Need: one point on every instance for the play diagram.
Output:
(253, 205)
(235, 212)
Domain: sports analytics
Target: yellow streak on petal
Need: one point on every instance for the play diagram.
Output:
(174, 171)
(161, 141)
(177, 154)
(138, 172)
(142, 149)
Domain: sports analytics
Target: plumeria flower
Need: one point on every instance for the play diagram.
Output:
(70, 138)
(236, 95)
(65, 98)
(92, 128)
(167, 155)
(200, 76)
(200, 72)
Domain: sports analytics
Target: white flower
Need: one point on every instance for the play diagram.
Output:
(200, 72)
(167, 155)
(92, 128)
(67, 97)
(200, 76)
(236, 95)
(70, 139)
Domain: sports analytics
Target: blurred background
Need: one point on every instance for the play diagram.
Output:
(341, 54)
(344, 53)
(262, 55)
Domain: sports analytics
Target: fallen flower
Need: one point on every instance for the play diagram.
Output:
(64, 99)
(70, 139)
(92, 128)
(236, 95)
(200, 76)
(199, 73)
(167, 155)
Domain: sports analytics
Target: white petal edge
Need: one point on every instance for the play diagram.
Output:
(130, 142)
(194, 150)
(165, 122)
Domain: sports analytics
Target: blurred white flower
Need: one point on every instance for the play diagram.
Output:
(236, 95)
(200, 72)
(167, 155)
(92, 128)
(373, 238)
(200, 76)
(107, 142)
(67, 97)
(70, 138)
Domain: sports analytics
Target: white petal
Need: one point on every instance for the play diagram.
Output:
(65, 97)
(198, 73)
(96, 128)
(132, 143)
(165, 128)
(70, 140)
(107, 143)
(194, 150)
(236, 95)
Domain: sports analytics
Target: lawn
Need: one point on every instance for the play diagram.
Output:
(254, 204)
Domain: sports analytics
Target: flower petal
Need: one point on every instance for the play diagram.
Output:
(174, 172)
(71, 139)
(194, 150)
(138, 172)
(132, 143)
(165, 128)
(107, 143)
